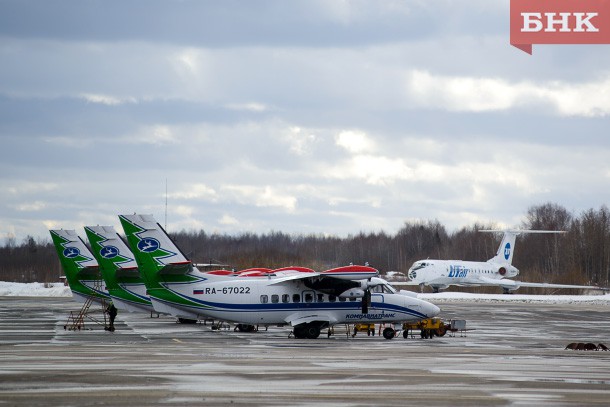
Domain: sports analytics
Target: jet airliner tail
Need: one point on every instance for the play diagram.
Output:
(507, 246)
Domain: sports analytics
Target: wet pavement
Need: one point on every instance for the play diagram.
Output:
(512, 355)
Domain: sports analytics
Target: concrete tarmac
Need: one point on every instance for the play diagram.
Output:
(513, 356)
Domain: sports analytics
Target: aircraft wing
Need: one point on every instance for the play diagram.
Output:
(550, 285)
(319, 282)
(402, 283)
(513, 284)
(284, 276)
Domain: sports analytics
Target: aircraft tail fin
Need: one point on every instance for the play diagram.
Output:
(507, 246)
(78, 263)
(155, 253)
(109, 249)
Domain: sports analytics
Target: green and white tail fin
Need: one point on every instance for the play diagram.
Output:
(162, 264)
(81, 268)
(153, 248)
(119, 269)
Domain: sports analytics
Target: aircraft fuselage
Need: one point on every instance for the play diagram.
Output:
(261, 301)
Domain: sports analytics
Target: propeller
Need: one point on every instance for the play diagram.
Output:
(366, 299)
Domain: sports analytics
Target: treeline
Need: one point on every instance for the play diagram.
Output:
(580, 256)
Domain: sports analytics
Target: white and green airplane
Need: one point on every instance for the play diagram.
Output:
(296, 296)
(81, 269)
(119, 269)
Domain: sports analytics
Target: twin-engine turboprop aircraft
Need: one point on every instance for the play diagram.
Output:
(440, 274)
(119, 269)
(113, 277)
(82, 271)
(307, 300)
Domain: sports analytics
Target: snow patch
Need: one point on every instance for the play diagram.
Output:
(34, 290)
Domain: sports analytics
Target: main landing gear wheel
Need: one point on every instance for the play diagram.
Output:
(312, 331)
(389, 333)
(245, 328)
(187, 321)
(307, 331)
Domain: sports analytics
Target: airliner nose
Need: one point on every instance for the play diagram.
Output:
(430, 310)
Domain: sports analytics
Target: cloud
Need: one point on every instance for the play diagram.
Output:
(31, 206)
(266, 196)
(106, 100)
(228, 220)
(195, 191)
(475, 94)
(28, 187)
(252, 107)
(374, 170)
(355, 141)
(300, 140)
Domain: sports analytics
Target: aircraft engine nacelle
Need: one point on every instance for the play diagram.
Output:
(507, 271)
(352, 272)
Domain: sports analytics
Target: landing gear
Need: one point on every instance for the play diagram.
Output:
(245, 328)
(307, 331)
(187, 321)
(389, 333)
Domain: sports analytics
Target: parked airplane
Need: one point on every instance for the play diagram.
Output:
(119, 269)
(440, 274)
(307, 300)
(80, 267)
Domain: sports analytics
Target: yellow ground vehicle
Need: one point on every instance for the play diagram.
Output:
(428, 328)
(368, 328)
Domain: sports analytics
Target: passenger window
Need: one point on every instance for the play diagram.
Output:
(296, 298)
(275, 298)
(264, 299)
(320, 297)
(342, 299)
(352, 299)
(332, 298)
(285, 298)
(308, 297)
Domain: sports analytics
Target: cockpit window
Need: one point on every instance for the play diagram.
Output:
(383, 289)
(417, 266)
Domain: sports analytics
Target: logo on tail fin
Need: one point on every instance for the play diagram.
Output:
(507, 251)
(148, 245)
(71, 252)
(109, 252)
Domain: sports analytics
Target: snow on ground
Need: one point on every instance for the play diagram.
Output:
(59, 290)
(550, 299)
(34, 290)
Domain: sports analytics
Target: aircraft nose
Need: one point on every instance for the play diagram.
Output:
(430, 310)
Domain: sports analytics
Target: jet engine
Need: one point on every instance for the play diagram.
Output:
(507, 271)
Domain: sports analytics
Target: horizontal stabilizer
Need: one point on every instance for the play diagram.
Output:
(127, 272)
(182, 267)
(89, 270)
(520, 231)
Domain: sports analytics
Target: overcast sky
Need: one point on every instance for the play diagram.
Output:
(297, 116)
